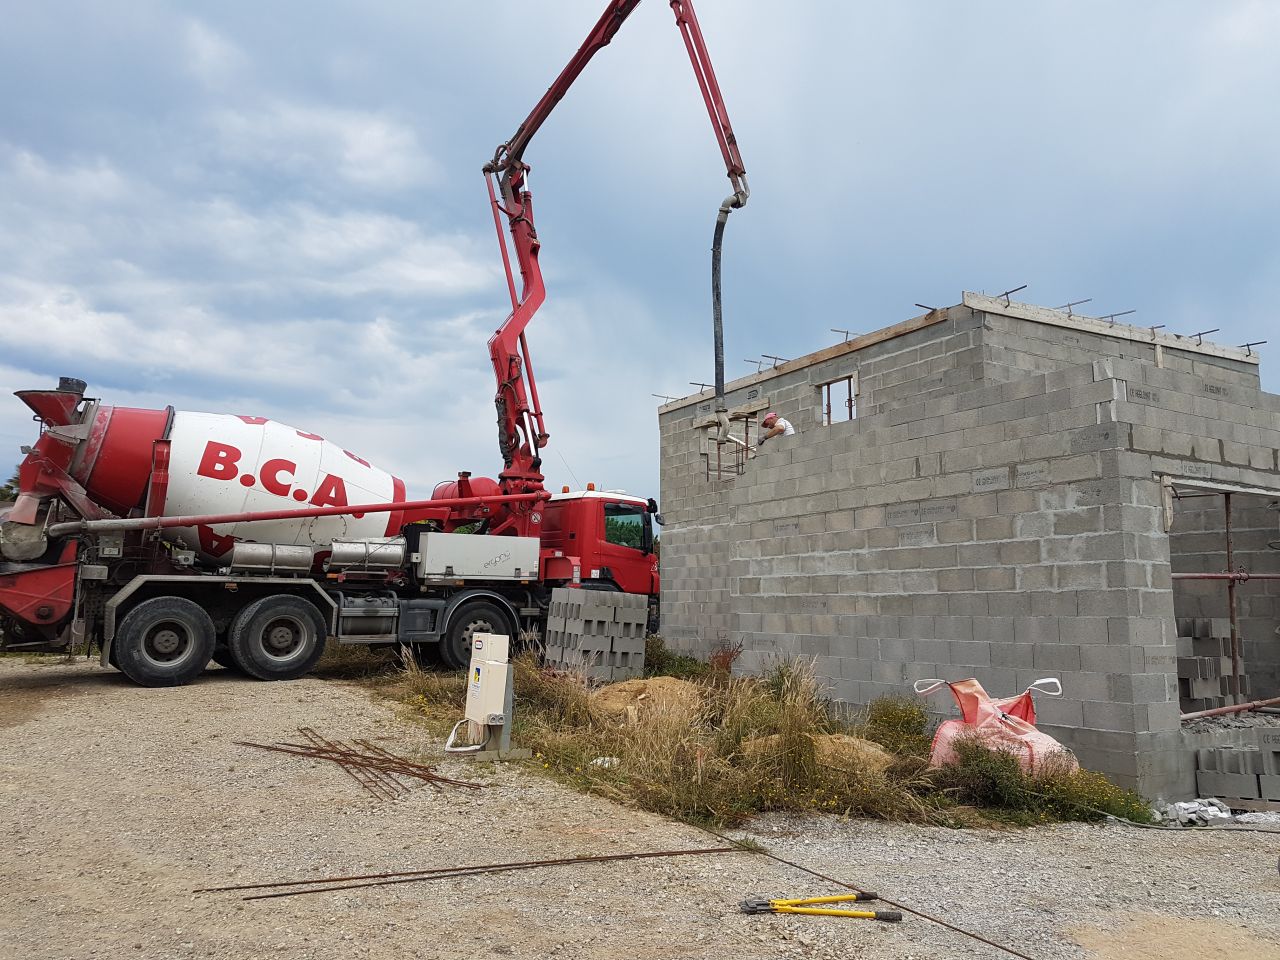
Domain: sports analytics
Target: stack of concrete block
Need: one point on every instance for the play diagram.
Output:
(1205, 680)
(597, 632)
(1244, 772)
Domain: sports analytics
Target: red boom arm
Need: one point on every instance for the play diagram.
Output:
(521, 430)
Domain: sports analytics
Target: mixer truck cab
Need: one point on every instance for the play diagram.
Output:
(611, 534)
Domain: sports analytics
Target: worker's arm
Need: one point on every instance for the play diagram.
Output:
(774, 431)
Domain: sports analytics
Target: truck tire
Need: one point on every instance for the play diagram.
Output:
(164, 642)
(471, 618)
(277, 638)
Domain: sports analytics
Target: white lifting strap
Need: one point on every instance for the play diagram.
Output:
(934, 684)
(1055, 692)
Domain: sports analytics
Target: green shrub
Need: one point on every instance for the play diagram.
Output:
(899, 724)
(994, 780)
(661, 662)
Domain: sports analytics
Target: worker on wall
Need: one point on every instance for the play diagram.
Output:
(775, 426)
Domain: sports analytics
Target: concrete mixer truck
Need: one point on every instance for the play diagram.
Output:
(165, 538)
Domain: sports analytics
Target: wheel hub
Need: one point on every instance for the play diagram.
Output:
(282, 637)
(166, 643)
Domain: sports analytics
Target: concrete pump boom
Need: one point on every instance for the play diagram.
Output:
(521, 429)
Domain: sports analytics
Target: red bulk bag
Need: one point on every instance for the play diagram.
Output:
(1007, 724)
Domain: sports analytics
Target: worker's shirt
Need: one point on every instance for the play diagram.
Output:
(787, 429)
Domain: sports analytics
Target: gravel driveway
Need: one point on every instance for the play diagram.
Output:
(116, 802)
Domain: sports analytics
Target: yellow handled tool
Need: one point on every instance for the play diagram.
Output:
(835, 898)
(809, 906)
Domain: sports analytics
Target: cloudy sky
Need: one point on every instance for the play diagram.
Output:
(277, 209)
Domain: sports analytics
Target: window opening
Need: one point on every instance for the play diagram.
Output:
(839, 400)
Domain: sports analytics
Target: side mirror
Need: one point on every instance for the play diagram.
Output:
(657, 518)
(652, 506)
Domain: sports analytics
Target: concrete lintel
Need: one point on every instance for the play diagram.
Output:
(1104, 328)
(1218, 486)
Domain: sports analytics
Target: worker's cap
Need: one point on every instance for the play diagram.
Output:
(769, 416)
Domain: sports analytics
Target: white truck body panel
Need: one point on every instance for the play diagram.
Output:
(459, 556)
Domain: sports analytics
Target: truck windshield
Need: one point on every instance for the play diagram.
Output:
(624, 524)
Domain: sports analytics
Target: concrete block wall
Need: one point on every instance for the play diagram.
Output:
(1014, 348)
(995, 511)
(697, 542)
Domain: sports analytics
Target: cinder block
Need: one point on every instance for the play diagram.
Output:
(632, 645)
(1247, 761)
(1229, 685)
(1270, 762)
(1269, 786)
(1197, 688)
(628, 631)
(585, 627)
(1056, 656)
(1227, 786)
(1209, 646)
(1126, 717)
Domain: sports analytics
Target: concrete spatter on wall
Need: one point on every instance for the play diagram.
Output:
(995, 511)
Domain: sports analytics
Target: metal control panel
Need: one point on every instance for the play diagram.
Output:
(487, 680)
(463, 556)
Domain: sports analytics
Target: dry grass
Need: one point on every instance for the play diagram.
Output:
(694, 770)
(355, 661)
(751, 744)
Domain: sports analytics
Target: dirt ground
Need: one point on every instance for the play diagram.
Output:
(117, 802)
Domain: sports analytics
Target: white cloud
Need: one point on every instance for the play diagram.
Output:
(386, 391)
(77, 183)
(369, 150)
(212, 58)
(89, 224)
(298, 247)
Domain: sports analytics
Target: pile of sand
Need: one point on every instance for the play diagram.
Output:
(832, 750)
(655, 693)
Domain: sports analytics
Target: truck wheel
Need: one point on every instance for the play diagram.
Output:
(164, 642)
(472, 618)
(277, 638)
